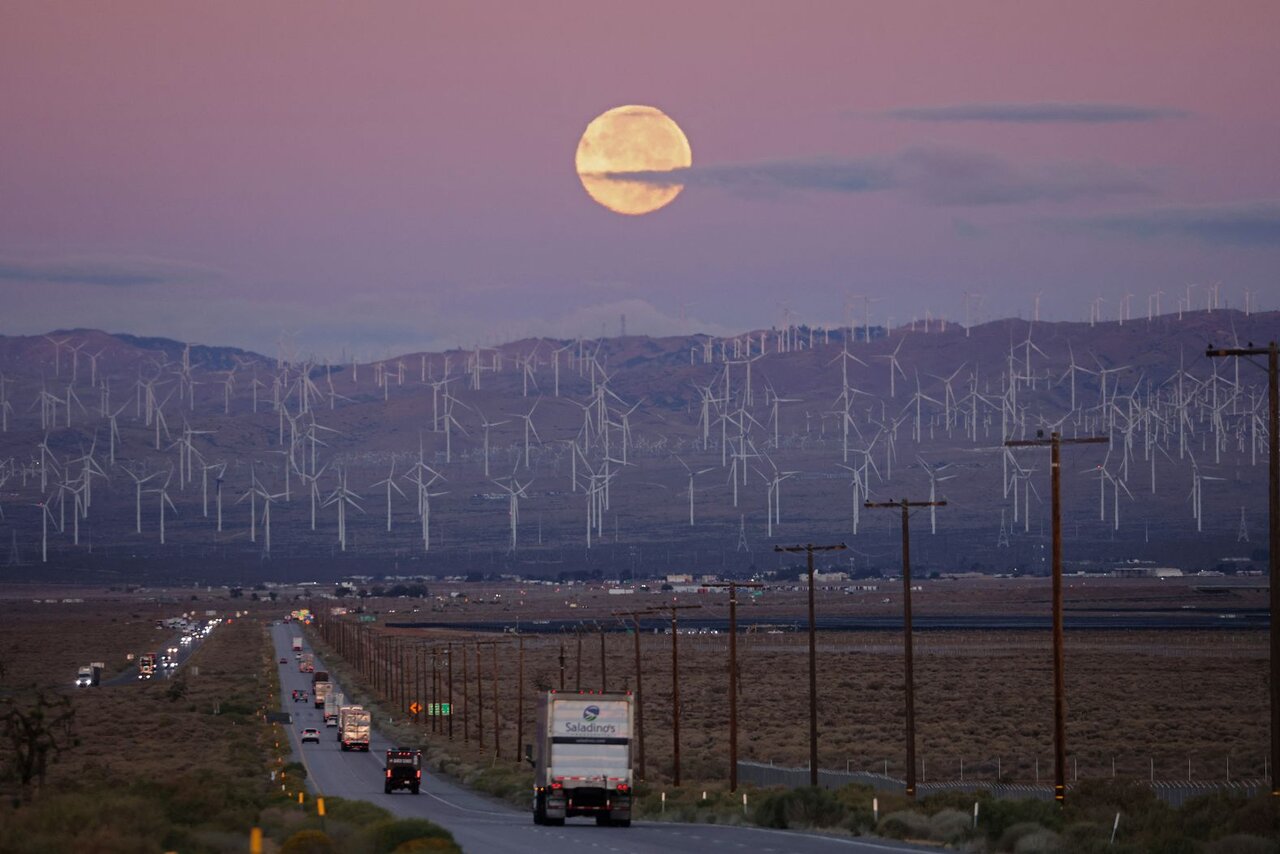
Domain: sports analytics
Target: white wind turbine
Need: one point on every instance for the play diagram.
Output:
(343, 497)
(138, 481)
(313, 488)
(894, 367)
(515, 491)
(692, 475)
(934, 480)
(529, 428)
(163, 492)
(487, 424)
(46, 516)
(390, 483)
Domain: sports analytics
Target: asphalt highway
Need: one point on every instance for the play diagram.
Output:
(482, 824)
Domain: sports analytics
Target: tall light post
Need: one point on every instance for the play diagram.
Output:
(1272, 352)
(733, 675)
(813, 656)
(909, 676)
(1055, 441)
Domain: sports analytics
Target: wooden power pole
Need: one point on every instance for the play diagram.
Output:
(635, 617)
(675, 678)
(813, 656)
(733, 675)
(1272, 352)
(909, 676)
(1055, 441)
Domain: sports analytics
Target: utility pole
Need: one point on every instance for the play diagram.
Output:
(562, 662)
(1055, 441)
(577, 679)
(907, 646)
(519, 695)
(466, 702)
(604, 680)
(635, 617)
(733, 675)
(813, 651)
(449, 665)
(1272, 352)
(675, 678)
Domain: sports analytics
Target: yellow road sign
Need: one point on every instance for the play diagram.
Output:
(415, 708)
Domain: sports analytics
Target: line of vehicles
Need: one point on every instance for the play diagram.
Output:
(581, 755)
(155, 663)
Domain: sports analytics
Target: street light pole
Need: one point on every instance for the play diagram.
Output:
(733, 675)
(1055, 441)
(909, 676)
(1272, 352)
(813, 656)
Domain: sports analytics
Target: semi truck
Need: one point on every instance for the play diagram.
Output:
(353, 728)
(308, 663)
(297, 644)
(90, 675)
(332, 703)
(582, 757)
(321, 693)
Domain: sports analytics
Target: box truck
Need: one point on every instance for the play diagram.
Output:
(582, 757)
(353, 728)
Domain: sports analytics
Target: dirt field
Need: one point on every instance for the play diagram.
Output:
(1148, 700)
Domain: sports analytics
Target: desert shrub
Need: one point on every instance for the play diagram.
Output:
(1242, 843)
(308, 842)
(809, 806)
(358, 813)
(997, 817)
(389, 835)
(1011, 835)
(905, 824)
(949, 825)
(1039, 841)
(1259, 816)
(435, 846)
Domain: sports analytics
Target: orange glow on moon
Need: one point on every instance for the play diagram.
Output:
(631, 138)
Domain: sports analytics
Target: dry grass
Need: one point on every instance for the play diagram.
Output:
(981, 697)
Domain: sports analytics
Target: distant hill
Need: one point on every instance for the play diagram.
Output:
(780, 433)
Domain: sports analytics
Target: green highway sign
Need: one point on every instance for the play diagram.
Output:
(439, 709)
(368, 618)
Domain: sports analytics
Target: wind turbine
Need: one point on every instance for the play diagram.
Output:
(692, 475)
(390, 483)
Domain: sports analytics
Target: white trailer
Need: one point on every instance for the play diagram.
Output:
(582, 758)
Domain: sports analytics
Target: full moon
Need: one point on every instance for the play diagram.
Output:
(632, 139)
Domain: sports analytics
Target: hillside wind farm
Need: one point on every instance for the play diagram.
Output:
(636, 456)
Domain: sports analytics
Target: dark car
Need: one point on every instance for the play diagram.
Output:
(404, 770)
(284, 660)
(299, 696)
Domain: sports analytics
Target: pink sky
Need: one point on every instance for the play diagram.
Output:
(399, 175)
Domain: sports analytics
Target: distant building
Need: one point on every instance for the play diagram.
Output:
(1146, 572)
(829, 577)
(680, 578)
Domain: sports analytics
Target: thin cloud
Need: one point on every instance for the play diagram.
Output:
(1047, 113)
(1237, 224)
(843, 176)
(935, 176)
(107, 273)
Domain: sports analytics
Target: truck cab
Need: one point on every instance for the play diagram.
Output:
(404, 770)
